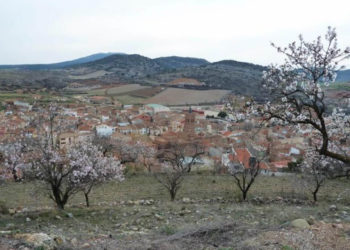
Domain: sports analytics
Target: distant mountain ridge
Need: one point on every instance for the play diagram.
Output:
(343, 76)
(59, 65)
(241, 77)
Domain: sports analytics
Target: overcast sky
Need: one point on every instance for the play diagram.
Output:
(45, 31)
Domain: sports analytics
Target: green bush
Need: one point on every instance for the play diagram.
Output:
(133, 169)
(168, 230)
(293, 167)
(287, 248)
(3, 208)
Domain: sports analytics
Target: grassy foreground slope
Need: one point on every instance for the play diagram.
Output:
(137, 214)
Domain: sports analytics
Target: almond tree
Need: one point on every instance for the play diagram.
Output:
(127, 151)
(47, 162)
(65, 171)
(148, 154)
(49, 165)
(92, 168)
(13, 158)
(297, 92)
(106, 144)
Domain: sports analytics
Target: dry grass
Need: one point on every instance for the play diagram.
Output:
(196, 225)
(195, 186)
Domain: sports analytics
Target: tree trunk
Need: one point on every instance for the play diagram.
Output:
(87, 199)
(172, 195)
(60, 205)
(57, 198)
(315, 195)
(244, 195)
(15, 176)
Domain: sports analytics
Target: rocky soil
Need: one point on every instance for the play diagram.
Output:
(185, 224)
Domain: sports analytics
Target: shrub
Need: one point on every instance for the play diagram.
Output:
(3, 208)
(168, 230)
(132, 170)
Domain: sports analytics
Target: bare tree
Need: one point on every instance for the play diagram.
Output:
(245, 173)
(175, 166)
(314, 172)
(318, 178)
(245, 176)
(192, 152)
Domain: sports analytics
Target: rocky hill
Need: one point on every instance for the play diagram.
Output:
(176, 62)
(242, 78)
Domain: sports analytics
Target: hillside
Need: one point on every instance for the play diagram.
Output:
(176, 62)
(242, 80)
(241, 77)
(125, 67)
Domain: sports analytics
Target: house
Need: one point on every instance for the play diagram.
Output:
(104, 118)
(70, 112)
(155, 108)
(142, 118)
(241, 157)
(67, 139)
(23, 104)
(104, 130)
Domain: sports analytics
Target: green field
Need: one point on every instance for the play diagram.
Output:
(127, 99)
(45, 97)
(340, 86)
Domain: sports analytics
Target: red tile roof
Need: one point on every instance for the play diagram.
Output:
(243, 156)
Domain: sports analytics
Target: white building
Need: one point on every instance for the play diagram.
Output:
(104, 130)
(155, 108)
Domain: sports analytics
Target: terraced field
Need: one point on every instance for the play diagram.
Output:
(117, 90)
(176, 96)
(125, 89)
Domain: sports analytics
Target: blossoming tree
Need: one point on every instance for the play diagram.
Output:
(92, 168)
(297, 92)
(66, 171)
(13, 159)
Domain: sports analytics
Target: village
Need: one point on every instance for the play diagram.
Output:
(225, 137)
